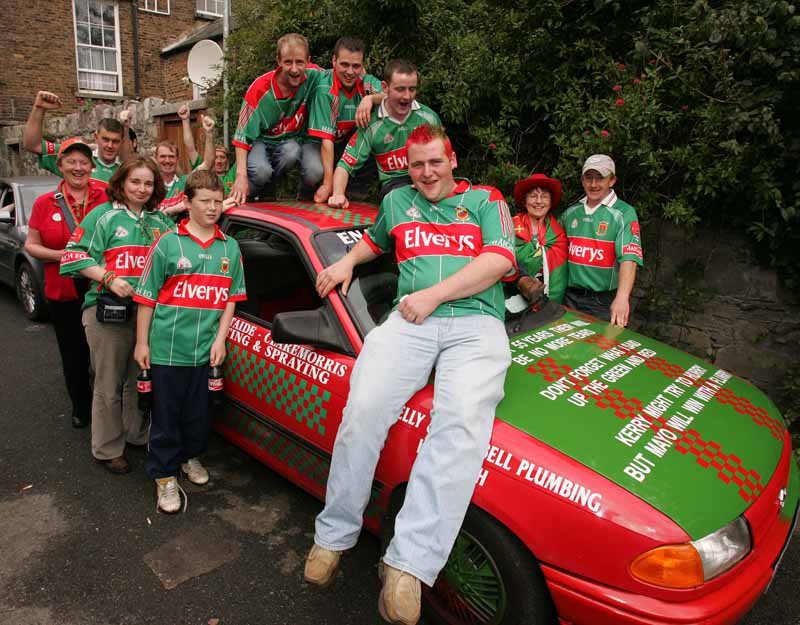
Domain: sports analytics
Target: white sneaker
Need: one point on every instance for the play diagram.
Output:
(195, 471)
(169, 495)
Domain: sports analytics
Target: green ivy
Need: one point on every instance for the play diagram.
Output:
(696, 100)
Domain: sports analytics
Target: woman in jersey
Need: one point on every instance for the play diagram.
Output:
(109, 248)
(49, 230)
(541, 243)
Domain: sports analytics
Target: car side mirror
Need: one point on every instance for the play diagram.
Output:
(6, 217)
(313, 327)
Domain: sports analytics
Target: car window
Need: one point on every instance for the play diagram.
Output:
(371, 296)
(274, 273)
(29, 195)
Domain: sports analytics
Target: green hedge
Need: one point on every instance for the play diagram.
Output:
(696, 101)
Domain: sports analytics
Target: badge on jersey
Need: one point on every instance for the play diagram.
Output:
(602, 228)
(224, 264)
(413, 213)
(156, 232)
(184, 263)
(120, 232)
(574, 223)
(56, 216)
(462, 214)
(635, 228)
(388, 139)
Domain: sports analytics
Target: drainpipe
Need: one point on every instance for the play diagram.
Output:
(226, 21)
(137, 79)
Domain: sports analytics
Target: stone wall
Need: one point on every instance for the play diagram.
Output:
(14, 161)
(704, 293)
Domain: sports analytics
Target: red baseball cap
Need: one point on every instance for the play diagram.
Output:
(537, 181)
(75, 143)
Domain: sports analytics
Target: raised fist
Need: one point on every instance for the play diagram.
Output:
(208, 122)
(125, 116)
(47, 101)
(184, 112)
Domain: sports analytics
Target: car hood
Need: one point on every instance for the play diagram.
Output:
(694, 441)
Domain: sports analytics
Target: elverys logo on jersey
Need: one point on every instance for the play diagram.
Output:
(393, 161)
(195, 291)
(127, 260)
(294, 123)
(591, 252)
(420, 239)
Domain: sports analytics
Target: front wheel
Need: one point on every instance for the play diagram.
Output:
(29, 292)
(489, 579)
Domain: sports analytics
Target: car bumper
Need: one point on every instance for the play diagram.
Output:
(582, 602)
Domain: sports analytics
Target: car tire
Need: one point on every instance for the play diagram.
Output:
(29, 292)
(489, 579)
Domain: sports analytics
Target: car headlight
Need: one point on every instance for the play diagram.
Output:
(690, 564)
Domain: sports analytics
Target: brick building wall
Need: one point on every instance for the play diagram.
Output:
(40, 54)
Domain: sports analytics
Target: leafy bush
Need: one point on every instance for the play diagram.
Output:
(695, 100)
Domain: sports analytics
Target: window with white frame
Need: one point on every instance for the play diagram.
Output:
(97, 46)
(155, 6)
(211, 7)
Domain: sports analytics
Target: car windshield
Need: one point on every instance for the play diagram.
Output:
(29, 194)
(374, 287)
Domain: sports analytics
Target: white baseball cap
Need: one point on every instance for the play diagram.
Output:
(601, 163)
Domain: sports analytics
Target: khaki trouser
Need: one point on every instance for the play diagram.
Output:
(115, 413)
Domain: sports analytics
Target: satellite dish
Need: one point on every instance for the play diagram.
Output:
(205, 63)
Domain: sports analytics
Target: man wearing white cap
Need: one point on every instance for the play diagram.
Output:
(604, 246)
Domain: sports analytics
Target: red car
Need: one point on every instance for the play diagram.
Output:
(626, 482)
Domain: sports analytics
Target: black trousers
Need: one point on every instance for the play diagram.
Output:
(595, 303)
(181, 420)
(394, 183)
(74, 350)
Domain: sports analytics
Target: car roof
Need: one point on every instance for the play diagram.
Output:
(308, 215)
(31, 181)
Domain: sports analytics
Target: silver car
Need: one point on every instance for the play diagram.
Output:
(18, 269)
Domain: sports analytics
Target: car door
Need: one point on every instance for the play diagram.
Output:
(8, 244)
(284, 401)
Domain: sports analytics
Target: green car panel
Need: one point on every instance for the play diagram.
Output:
(689, 438)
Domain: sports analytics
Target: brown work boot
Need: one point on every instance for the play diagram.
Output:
(321, 566)
(400, 598)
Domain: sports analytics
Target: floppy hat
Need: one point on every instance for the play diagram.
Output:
(75, 143)
(537, 181)
(601, 163)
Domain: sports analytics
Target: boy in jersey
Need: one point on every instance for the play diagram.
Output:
(108, 138)
(269, 136)
(604, 246)
(454, 243)
(332, 116)
(385, 136)
(191, 282)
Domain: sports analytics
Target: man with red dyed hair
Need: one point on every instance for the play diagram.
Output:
(454, 243)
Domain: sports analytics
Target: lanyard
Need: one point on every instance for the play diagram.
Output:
(81, 212)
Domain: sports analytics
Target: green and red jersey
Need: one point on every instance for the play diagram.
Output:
(49, 161)
(270, 115)
(227, 179)
(189, 282)
(174, 194)
(385, 138)
(599, 240)
(332, 112)
(112, 236)
(434, 241)
(543, 253)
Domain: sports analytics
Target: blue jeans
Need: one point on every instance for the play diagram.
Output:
(471, 355)
(268, 162)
